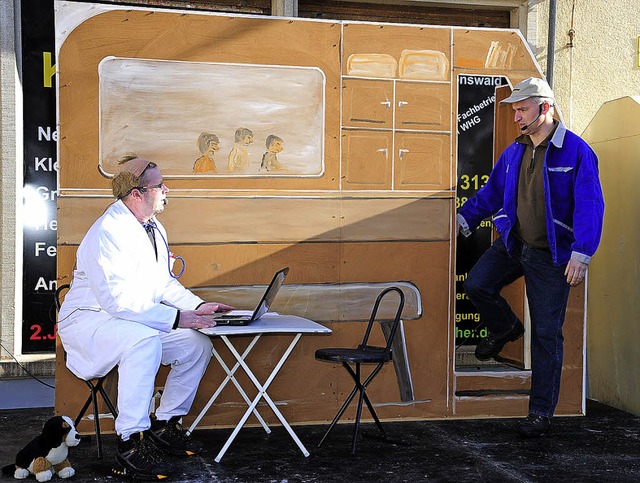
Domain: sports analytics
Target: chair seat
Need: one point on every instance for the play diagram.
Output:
(364, 355)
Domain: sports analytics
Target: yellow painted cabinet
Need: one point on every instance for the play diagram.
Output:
(423, 106)
(422, 161)
(367, 103)
(367, 159)
(409, 135)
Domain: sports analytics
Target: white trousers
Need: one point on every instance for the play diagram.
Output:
(95, 344)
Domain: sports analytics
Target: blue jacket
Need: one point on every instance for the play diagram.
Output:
(572, 193)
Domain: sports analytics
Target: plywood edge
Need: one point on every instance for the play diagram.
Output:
(252, 193)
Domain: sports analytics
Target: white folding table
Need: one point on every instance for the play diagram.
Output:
(267, 324)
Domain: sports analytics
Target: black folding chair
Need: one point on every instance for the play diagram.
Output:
(94, 388)
(363, 354)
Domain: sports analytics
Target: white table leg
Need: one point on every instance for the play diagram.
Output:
(230, 377)
(262, 393)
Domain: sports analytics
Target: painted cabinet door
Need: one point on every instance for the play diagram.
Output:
(366, 159)
(422, 161)
(367, 103)
(423, 106)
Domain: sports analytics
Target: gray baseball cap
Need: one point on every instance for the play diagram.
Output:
(531, 87)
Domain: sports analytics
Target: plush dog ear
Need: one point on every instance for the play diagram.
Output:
(53, 431)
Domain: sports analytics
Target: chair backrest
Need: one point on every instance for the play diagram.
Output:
(58, 295)
(396, 321)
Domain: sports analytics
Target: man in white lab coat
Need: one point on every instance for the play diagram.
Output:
(125, 308)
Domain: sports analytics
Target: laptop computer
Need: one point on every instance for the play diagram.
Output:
(241, 317)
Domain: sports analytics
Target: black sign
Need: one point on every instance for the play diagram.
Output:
(476, 102)
(40, 176)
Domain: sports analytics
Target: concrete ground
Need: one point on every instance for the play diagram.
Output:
(603, 446)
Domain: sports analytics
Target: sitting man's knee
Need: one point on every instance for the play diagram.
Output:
(202, 344)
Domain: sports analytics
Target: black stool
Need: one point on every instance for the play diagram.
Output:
(94, 389)
(363, 354)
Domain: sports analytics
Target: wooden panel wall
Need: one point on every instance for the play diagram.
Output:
(381, 210)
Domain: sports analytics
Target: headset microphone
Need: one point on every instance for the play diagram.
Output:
(523, 129)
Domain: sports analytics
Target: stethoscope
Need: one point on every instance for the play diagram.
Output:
(170, 255)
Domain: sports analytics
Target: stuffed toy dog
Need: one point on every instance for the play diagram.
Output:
(47, 453)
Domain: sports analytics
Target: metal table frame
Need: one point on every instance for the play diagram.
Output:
(268, 324)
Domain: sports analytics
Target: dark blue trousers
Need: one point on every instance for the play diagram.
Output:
(547, 293)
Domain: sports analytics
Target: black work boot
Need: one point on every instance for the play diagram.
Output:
(534, 426)
(140, 458)
(492, 346)
(173, 438)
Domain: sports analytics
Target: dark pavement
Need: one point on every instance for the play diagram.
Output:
(603, 446)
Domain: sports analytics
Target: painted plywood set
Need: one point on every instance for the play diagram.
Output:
(328, 147)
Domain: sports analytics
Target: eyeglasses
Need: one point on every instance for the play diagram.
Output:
(158, 186)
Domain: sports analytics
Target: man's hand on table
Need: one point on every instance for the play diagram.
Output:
(211, 308)
(203, 317)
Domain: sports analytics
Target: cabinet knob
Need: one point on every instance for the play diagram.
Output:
(402, 103)
(386, 103)
(401, 152)
(383, 150)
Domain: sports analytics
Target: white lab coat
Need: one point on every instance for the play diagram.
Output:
(117, 274)
(120, 310)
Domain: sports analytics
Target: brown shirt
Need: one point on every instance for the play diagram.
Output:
(531, 226)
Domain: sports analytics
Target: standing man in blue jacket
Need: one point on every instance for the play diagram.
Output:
(545, 197)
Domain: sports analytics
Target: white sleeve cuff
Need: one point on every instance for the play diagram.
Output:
(580, 257)
(464, 226)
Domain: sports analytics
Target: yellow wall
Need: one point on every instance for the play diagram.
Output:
(613, 303)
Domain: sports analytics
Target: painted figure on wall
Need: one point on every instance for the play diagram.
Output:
(239, 156)
(208, 144)
(269, 158)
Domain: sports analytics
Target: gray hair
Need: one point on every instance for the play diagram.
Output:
(204, 139)
(540, 100)
(241, 133)
(272, 138)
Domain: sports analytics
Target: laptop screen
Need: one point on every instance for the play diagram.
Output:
(270, 293)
